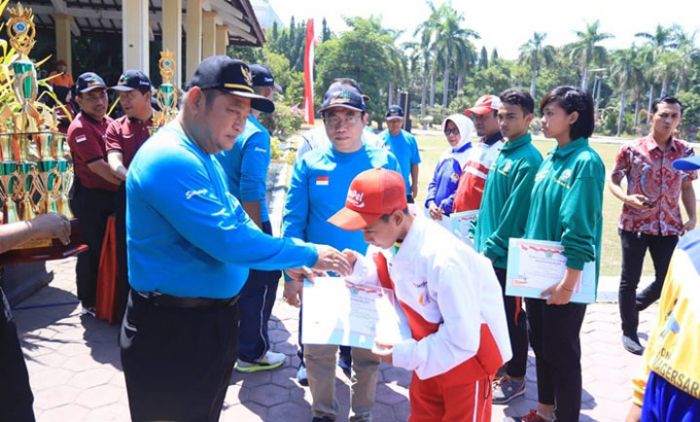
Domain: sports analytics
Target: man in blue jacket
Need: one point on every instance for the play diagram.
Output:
(246, 166)
(190, 246)
(318, 189)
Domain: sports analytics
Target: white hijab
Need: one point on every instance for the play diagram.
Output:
(465, 126)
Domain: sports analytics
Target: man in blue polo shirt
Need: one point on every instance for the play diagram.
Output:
(190, 246)
(405, 147)
(246, 167)
(318, 189)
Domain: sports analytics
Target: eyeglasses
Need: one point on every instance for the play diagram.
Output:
(346, 120)
(453, 131)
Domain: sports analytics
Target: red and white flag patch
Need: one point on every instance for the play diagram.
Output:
(322, 180)
(81, 138)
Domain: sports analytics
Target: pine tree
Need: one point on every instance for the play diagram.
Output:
(275, 31)
(494, 56)
(484, 58)
(325, 32)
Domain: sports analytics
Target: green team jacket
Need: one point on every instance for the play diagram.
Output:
(506, 200)
(567, 203)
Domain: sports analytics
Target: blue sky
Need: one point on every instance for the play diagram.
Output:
(507, 24)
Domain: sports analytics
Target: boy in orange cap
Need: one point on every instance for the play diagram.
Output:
(449, 293)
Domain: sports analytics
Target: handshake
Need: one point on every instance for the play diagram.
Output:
(329, 259)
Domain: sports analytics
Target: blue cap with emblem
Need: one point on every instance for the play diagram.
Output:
(232, 76)
(89, 81)
(345, 96)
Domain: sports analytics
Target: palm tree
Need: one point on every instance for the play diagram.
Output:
(657, 43)
(624, 71)
(448, 43)
(534, 54)
(426, 31)
(687, 53)
(587, 51)
(452, 45)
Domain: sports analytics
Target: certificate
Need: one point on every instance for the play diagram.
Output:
(536, 265)
(336, 311)
(460, 222)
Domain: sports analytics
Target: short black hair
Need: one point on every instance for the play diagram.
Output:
(520, 98)
(385, 218)
(667, 100)
(573, 99)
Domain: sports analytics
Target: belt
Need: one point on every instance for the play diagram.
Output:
(159, 299)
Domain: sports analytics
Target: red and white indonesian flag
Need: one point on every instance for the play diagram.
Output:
(309, 73)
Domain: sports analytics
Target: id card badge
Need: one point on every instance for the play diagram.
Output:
(6, 307)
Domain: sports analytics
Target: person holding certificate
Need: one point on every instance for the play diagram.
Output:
(502, 215)
(317, 190)
(566, 207)
(448, 292)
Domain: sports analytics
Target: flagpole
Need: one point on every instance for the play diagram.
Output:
(309, 73)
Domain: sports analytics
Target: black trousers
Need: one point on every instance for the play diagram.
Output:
(256, 302)
(122, 272)
(177, 361)
(91, 207)
(634, 247)
(517, 329)
(554, 335)
(15, 393)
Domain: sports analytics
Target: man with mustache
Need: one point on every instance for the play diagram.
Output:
(95, 184)
(651, 216)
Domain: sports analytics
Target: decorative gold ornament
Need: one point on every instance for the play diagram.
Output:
(167, 92)
(36, 170)
(21, 30)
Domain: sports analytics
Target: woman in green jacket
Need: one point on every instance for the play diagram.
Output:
(566, 207)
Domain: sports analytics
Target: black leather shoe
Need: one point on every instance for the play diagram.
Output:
(631, 344)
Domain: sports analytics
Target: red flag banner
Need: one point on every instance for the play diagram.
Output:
(309, 73)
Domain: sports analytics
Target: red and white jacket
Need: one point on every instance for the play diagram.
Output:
(473, 178)
(452, 300)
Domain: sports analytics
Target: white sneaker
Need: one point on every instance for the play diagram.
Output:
(87, 311)
(302, 378)
(270, 361)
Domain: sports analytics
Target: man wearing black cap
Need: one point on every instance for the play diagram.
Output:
(190, 247)
(123, 138)
(246, 169)
(405, 147)
(95, 184)
(318, 189)
(317, 137)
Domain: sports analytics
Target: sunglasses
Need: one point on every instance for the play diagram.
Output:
(453, 131)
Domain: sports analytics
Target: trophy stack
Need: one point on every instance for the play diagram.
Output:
(167, 93)
(36, 169)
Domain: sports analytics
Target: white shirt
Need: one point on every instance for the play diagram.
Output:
(447, 283)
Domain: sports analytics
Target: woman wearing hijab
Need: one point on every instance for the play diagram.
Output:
(441, 190)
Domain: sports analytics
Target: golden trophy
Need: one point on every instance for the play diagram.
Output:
(36, 171)
(167, 93)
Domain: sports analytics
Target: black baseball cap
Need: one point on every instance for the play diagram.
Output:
(262, 76)
(133, 79)
(230, 75)
(89, 81)
(343, 95)
(394, 112)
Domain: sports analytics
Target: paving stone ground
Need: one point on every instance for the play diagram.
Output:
(76, 375)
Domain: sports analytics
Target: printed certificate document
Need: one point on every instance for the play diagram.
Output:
(535, 265)
(336, 311)
(460, 221)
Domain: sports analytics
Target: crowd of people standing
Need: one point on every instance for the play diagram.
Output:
(199, 267)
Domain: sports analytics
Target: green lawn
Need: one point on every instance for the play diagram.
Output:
(432, 146)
